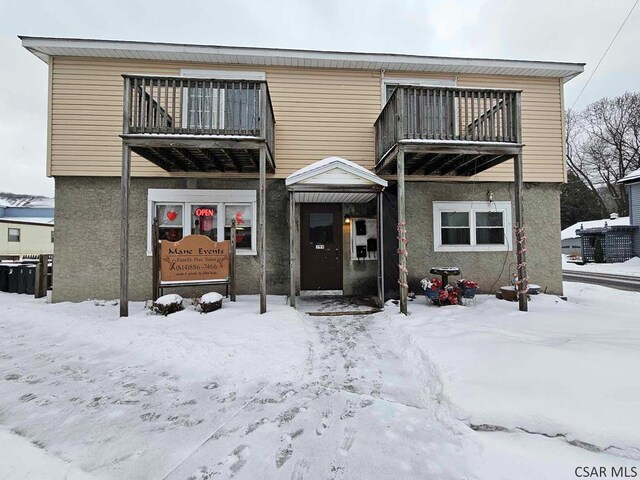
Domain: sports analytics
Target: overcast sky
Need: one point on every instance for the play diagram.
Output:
(561, 30)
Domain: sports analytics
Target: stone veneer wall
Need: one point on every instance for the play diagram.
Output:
(490, 269)
(87, 219)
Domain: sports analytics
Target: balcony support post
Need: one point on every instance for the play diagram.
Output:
(402, 235)
(125, 183)
(262, 233)
(380, 233)
(262, 214)
(292, 249)
(522, 285)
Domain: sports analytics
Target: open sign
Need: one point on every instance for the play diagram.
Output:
(204, 212)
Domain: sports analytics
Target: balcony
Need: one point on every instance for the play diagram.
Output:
(186, 124)
(447, 130)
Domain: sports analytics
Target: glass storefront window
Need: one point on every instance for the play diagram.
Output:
(243, 215)
(203, 212)
(204, 221)
(170, 221)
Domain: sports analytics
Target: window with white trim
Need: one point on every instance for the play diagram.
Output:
(471, 226)
(182, 212)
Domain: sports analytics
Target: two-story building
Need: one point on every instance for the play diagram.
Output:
(323, 158)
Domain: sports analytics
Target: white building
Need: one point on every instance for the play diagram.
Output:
(26, 226)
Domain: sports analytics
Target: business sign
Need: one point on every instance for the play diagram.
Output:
(194, 258)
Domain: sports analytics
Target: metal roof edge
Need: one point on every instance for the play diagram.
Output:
(35, 45)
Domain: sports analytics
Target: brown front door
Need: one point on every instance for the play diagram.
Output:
(321, 246)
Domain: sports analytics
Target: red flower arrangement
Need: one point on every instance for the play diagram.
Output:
(469, 283)
(441, 294)
(452, 294)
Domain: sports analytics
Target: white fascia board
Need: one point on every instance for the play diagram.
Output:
(42, 46)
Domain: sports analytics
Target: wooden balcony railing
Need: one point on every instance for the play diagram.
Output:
(165, 105)
(448, 113)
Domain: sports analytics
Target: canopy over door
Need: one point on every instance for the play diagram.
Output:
(334, 180)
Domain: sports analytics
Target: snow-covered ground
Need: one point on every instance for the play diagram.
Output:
(480, 392)
(630, 268)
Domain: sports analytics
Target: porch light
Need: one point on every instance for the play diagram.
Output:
(347, 219)
(490, 196)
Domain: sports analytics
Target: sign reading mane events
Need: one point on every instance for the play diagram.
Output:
(195, 258)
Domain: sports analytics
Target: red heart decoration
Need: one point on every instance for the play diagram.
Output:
(171, 215)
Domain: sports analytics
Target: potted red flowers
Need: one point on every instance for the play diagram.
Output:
(439, 294)
(468, 288)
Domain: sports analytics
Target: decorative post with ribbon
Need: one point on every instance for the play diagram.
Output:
(402, 266)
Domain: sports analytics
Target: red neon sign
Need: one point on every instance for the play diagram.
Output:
(205, 212)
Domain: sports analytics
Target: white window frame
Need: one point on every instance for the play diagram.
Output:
(472, 207)
(416, 82)
(189, 197)
(9, 235)
(218, 75)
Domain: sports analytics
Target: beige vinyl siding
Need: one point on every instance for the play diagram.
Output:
(319, 113)
(542, 125)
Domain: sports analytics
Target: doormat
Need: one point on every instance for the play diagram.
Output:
(338, 314)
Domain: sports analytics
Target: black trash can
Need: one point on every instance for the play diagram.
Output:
(12, 278)
(29, 279)
(22, 279)
(4, 278)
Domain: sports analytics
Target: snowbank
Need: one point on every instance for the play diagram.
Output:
(566, 369)
(630, 268)
(22, 460)
(133, 397)
(482, 392)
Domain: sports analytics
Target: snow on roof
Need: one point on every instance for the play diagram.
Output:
(38, 220)
(321, 165)
(25, 201)
(570, 232)
(326, 161)
(631, 178)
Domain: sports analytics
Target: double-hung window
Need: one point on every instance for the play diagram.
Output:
(471, 226)
(203, 212)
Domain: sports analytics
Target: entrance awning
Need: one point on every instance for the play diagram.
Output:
(334, 180)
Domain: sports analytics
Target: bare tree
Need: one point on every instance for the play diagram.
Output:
(577, 160)
(603, 145)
